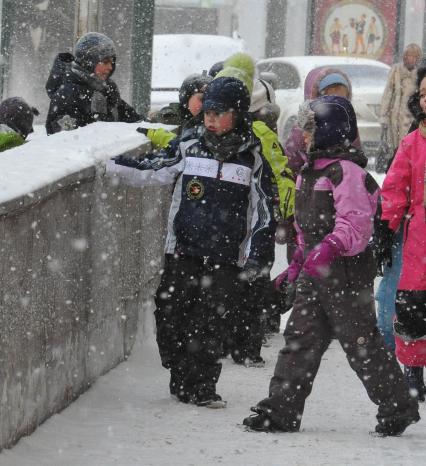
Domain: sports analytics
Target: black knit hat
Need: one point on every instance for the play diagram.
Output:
(18, 115)
(226, 93)
(92, 48)
(216, 68)
(191, 85)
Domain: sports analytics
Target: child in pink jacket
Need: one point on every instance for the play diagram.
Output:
(403, 194)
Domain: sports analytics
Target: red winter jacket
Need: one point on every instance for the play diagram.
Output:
(404, 191)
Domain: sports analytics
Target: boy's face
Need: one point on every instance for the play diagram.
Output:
(337, 89)
(219, 123)
(195, 103)
(104, 69)
(423, 94)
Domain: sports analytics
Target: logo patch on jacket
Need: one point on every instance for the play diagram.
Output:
(195, 189)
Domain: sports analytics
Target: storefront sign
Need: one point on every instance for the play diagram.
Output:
(360, 28)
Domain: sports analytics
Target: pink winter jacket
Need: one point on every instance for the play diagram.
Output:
(403, 192)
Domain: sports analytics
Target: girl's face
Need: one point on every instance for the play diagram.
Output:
(337, 89)
(423, 94)
(219, 123)
(195, 103)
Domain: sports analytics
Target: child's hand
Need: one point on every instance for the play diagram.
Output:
(319, 260)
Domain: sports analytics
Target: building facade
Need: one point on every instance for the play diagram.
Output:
(34, 31)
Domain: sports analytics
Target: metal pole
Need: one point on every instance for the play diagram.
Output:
(275, 30)
(141, 53)
(6, 31)
(399, 31)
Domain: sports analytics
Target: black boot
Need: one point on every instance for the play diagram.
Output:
(414, 378)
(262, 422)
(396, 426)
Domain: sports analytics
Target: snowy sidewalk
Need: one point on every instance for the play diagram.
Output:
(128, 418)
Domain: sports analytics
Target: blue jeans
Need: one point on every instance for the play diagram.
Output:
(386, 293)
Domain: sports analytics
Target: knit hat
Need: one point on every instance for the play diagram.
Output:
(239, 66)
(332, 79)
(331, 120)
(92, 48)
(263, 94)
(18, 115)
(191, 85)
(226, 93)
(216, 68)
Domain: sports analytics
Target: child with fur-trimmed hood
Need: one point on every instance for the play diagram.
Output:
(318, 82)
(220, 236)
(333, 270)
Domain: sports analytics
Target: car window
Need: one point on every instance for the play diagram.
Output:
(365, 75)
(287, 75)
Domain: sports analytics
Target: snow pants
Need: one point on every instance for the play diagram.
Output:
(320, 311)
(245, 325)
(192, 305)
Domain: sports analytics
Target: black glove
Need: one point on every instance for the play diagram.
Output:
(383, 239)
(252, 271)
(142, 130)
(287, 292)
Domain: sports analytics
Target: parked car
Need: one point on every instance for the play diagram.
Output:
(176, 56)
(368, 78)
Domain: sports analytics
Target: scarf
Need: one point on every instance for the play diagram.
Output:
(422, 129)
(225, 146)
(99, 101)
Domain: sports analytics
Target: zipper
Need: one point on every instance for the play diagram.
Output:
(219, 171)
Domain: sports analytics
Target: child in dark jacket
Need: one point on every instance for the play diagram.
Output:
(80, 87)
(185, 114)
(219, 238)
(336, 201)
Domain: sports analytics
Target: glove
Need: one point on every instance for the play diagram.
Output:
(142, 130)
(291, 273)
(382, 245)
(319, 260)
(251, 271)
(287, 291)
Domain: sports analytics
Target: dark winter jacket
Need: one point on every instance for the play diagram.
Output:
(334, 194)
(83, 99)
(220, 209)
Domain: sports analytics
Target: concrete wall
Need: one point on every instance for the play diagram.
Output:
(78, 259)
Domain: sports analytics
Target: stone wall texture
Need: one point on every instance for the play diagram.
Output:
(78, 259)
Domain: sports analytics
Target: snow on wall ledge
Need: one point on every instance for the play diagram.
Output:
(80, 255)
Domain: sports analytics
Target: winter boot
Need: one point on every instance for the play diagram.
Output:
(414, 378)
(396, 426)
(213, 402)
(262, 422)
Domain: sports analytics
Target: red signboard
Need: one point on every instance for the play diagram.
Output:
(360, 28)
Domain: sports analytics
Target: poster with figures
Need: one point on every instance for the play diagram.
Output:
(356, 28)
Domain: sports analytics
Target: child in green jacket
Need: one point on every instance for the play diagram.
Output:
(16, 122)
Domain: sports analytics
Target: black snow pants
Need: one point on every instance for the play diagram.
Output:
(193, 302)
(320, 312)
(245, 328)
